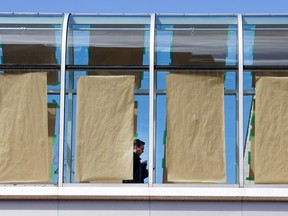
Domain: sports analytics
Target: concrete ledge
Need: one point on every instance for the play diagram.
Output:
(144, 193)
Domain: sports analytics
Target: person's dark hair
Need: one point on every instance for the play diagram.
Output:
(138, 143)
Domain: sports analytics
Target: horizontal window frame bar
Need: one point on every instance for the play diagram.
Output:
(108, 67)
(109, 29)
(265, 67)
(138, 67)
(28, 29)
(227, 92)
(264, 29)
(196, 29)
(32, 67)
(136, 92)
(248, 92)
(195, 67)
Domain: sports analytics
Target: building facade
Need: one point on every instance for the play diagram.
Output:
(206, 93)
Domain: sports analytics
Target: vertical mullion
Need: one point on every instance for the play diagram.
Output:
(70, 113)
(62, 98)
(240, 103)
(151, 102)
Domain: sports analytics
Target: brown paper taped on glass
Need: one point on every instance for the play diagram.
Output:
(30, 47)
(104, 130)
(271, 130)
(271, 73)
(195, 149)
(25, 154)
(116, 48)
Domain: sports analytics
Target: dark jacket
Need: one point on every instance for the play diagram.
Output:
(140, 171)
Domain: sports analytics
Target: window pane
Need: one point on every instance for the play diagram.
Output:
(196, 41)
(265, 40)
(107, 42)
(30, 39)
(140, 128)
(162, 134)
(33, 119)
(264, 115)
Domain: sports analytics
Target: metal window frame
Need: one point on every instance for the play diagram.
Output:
(152, 102)
(239, 105)
(62, 99)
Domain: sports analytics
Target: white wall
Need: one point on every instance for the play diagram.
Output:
(141, 208)
(196, 209)
(31, 208)
(265, 209)
(102, 208)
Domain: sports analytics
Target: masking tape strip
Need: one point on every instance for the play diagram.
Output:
(251, 135)
(163, 163)
(54, 140)
(54, 103)
(52, 172)
(164, 137)
(252, 122)
(252, 132)
(250, 178)
(56, 83)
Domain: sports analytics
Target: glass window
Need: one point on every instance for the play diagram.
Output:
(265, 51)
(196, 41)
(264, 122)
(111, 46)
(31, 135)
(182, 154)
(265, 40)
(106, 127)
(30, 39)
(228, 123)
(109, 40)
(29, 114)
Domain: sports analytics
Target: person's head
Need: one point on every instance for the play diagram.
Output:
(138, 146)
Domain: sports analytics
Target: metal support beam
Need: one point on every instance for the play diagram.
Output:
(240, 143)
(62, 98)
(152, 99)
